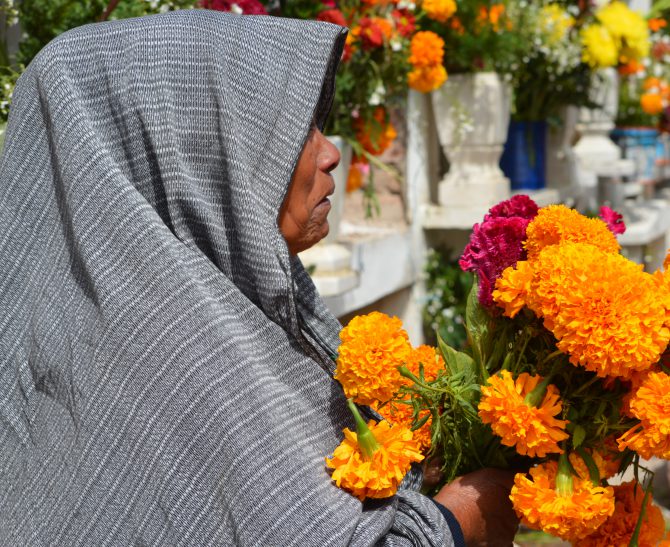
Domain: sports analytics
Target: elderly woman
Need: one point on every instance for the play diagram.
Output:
(165, 363)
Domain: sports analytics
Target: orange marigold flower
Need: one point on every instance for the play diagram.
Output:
(618, 529)
(439, 10)
(495, 13)
(380, 475)
(631, 67)
(375, 135)
(427, 79)
(457, 26)
(357, 172)
(656, 24)
(609, 315)
(512, 287)
(373, 347)
(401, 413)
(559, 224)
(427, 356)
(533, 431)
(651, 405)
(426, 49)
(651, 103)
(569, 516)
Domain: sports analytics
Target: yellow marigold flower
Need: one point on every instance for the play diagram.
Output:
(651, 405)
(439, 10)
(606, 462)
(555, 22)
(426, 49)
(533, 431)
(512, 287)
(427, 79)
(571, 515)
(400, 413)
(559, 224)
(377, 476)
(427, 356)
(600, 49)
(609, 315)
(373, 347)
(618, 529)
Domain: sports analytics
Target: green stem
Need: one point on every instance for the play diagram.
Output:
(534, 398)
(586, 385)
(366, 440)
(564, 476)
(638, 526)
(404, 371)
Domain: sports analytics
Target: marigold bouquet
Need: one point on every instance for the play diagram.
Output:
(564, 379)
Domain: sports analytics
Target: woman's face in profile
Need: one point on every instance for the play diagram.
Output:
(303, 218)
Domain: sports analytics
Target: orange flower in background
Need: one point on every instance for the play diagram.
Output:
(570, 516)
(618, 529)
(533, 431)
(427, 79)
(401, 413)
(377, 135)
(651, 103)
(373, 347)
(358, 170)
(457, 26)
(491, 16)
(426, 55)
(426, 49)
(607, 314)
(656, 24)
(377, 476)
(631, 68)
(558, 224)
(439, 10)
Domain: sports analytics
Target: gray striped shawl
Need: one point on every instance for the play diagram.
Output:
(165, 366)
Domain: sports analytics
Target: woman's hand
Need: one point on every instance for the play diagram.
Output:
(480, 502)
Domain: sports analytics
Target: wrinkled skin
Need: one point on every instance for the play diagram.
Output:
(303, 218)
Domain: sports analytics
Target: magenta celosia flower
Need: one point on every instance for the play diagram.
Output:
(613, 220)
(517, 206)
(247, 7)
(497, 243)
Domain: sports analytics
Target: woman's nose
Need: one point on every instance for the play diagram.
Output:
(329, 155)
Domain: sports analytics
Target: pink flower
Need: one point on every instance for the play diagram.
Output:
(613, 220)
(248, 7)
(497, 243)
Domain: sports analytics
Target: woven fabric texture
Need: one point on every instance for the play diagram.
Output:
(165, 365)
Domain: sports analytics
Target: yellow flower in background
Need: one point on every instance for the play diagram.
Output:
(555, 23)
(619, 528)
(607, 314)
(571, 515)
(439, 10)
(426, 79)
(373, 347)
(600, 48)
(532, 430)
(559, 224)
(651, 405)
(378, 475)
(628, 28)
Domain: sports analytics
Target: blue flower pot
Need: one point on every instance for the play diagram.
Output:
(640, 144)
(523, 159)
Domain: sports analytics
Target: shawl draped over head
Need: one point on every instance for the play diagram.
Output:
(165, 365)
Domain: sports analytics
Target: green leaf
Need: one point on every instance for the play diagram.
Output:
(457, 362)
(578, 436)
(477, 321)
